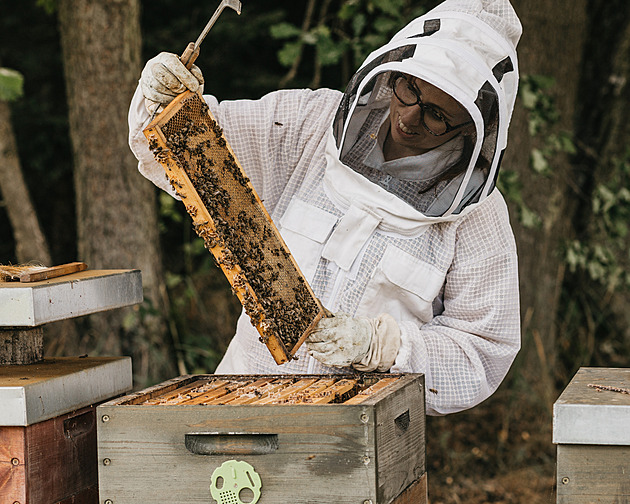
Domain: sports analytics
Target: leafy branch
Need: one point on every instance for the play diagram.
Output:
(346, 30)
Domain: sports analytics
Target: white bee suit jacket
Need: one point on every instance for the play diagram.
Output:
(450, 281)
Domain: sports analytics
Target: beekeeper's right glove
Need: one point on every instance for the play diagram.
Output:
(164, 77)
(366, 344)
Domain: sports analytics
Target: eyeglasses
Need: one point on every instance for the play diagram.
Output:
(432, 119)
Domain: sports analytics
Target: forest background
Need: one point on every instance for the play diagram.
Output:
(70, 191)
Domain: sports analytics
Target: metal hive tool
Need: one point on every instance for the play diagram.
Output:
(230, 217)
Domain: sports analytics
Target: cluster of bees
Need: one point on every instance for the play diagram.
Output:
(239, 233)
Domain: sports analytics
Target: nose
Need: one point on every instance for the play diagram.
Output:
(412, 115)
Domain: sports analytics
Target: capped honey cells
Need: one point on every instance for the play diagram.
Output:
(234, 225)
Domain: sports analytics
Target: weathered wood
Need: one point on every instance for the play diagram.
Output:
(416, 493)
(401, 420)
(364, 394)
(33, 393)
(50, 461)
(585, 415)
(21, 346)
(580, 392)
(52, 272)
(313, 454)
(286, 392)
(12, 467)
(588, 474)
(87, 496)
(33, 304)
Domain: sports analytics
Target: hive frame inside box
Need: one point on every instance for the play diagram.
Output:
(370, 451)
(235, 226)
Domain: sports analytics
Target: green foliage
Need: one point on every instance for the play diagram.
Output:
(11, 84)
(50, 6)
(511, 187)
(347, 32)
(534, 91)
(610, 202)
(534, 96)
(605, 258)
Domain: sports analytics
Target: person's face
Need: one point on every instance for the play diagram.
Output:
(442, 114)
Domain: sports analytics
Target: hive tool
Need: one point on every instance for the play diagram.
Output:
(191, 52)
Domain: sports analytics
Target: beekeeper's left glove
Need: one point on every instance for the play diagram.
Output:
(366, 344)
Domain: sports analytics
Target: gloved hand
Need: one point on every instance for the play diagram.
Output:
(366, 344)
(164, 77)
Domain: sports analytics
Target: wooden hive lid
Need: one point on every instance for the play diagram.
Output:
(593, 409)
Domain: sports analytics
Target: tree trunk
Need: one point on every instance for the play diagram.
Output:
(116, 207)
(30, 243)
(551, 45)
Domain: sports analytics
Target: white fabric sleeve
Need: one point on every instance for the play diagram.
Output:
(466, 351)
(138, 119)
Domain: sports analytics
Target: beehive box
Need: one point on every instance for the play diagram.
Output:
(591, 427)
(48, 427)
(234, 224)
(303, 439)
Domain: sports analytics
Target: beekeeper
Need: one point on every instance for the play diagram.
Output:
(386, 197)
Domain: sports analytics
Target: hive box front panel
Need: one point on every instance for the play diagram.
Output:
(353, 450)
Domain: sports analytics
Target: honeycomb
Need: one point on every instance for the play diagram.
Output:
(235, 226)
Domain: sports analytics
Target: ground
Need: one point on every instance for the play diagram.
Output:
(499, 452)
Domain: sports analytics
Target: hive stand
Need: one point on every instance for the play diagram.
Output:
(48, 405)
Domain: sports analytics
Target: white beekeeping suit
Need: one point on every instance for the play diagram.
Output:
(418, 248)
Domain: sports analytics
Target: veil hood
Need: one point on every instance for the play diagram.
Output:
(467, 48)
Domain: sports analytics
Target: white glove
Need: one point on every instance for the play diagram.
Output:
(164, 77)
(366, 344)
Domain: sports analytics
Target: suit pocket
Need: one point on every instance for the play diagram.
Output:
(402, 286)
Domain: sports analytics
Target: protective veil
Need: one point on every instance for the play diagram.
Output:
(467, 49)
(424, 239)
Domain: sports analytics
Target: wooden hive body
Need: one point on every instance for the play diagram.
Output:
(364, 444)
(50, 461)
(230, 217)
(590, 429)
(48, 450)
